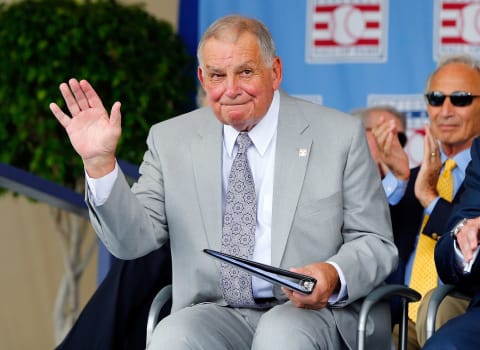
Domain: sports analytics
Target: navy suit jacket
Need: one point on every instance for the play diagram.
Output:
(115, 318)
(407, 218)
(468, 207)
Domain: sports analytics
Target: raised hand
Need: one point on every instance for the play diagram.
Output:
(93, 133)
(391, 155)
(426, 182)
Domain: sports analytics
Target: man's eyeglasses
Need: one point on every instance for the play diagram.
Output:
(457, 98)
(402, 137)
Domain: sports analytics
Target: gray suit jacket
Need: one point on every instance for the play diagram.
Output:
(327, 205)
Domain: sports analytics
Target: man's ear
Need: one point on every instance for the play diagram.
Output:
(200, 76)
(277, 72)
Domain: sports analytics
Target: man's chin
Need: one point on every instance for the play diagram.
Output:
(240, 124)
(234, 117)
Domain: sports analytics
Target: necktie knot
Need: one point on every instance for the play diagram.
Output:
(243, 141)
(449, 165)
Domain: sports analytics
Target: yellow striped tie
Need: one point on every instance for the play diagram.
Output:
(424, 274)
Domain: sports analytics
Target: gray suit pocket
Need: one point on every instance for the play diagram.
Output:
(326, 206)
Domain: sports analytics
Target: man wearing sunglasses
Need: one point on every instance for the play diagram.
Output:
(451, 93)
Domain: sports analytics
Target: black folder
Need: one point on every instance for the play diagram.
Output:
(291, 280)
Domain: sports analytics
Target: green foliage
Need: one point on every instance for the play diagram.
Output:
(127, 55)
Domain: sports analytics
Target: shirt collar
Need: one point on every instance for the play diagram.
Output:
(261, 134)
(461, 159)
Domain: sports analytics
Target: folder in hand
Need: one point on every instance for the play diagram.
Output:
(291, 280)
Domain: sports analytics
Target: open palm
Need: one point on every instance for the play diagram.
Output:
(93, 133)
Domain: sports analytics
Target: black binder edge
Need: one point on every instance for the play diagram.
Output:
(281, 277)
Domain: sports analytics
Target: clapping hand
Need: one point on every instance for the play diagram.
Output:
(391, 155)
(426, 183)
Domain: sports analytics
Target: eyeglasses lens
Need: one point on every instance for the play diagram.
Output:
(461, 100)
(457, 98)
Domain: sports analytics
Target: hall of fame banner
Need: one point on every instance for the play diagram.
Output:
(456, 28)
(346, 31)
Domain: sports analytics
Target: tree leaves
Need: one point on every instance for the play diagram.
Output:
(126, 54)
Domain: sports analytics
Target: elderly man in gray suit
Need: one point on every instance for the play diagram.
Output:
(319, 206)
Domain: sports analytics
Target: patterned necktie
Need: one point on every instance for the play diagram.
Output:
(239, 221)
(424, 274)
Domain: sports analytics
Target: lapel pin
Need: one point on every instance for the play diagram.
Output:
(302, 152)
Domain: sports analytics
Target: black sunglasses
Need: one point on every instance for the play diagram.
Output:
(457, 98)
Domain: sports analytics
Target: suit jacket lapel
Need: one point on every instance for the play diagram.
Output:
(207, 171)
(292, 154)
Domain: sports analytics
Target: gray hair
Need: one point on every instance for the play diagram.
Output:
(459, 58)
(363, 113)
(229, 28)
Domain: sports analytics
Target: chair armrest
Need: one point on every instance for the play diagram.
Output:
(382, 293)
(162, 297)
(436, 298)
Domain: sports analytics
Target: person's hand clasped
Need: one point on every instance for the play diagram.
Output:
(391, 154)
(328, 283)
(93, 133)
(468, 238)
(426, 183)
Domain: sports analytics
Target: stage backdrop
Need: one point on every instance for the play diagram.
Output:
(349, 54)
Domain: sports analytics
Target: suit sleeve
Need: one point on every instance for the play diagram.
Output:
(368, 254)
(446, 265)
(468, 207)
(469, 204)
(132, 222)
(439, 218)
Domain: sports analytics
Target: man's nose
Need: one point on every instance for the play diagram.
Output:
(233, 86)
(447, 108)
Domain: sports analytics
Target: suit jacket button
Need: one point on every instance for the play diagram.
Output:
(435, 236)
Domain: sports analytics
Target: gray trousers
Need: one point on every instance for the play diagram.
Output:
(212, 327)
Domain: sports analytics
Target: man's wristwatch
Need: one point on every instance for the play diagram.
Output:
(457, 228)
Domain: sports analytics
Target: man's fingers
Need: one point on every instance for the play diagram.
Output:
(70, 100)
(115, 114)
(381, 134)
(79, 94)
(466, 252)
(387, 146)
(472, 241)
(58, 113)
(91, 96)
(467, 240)
(431, 152)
